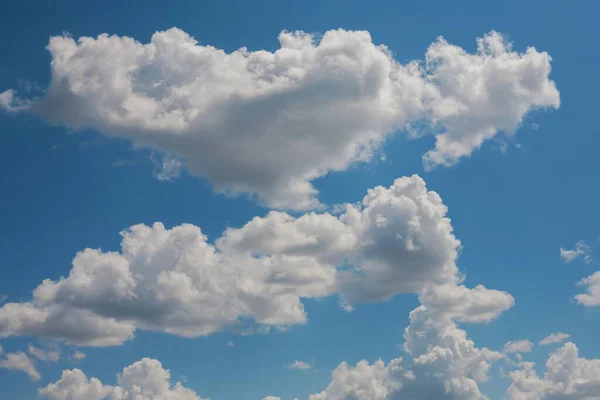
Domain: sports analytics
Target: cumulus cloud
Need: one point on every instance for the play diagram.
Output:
(519, 346)
(396, 240)
(567, 377)
(363, 382)
(19, 361)
(582, 249)
(554, 338)
(44, 355)
(268, 123)
(299, 365)
(444, 364)
(592, 297)
(145, 379)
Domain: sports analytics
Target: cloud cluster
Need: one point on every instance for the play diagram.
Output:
(567, 377)
(396, 240)
(268, 123)
(143, 380)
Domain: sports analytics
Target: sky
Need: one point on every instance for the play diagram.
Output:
(299, 200)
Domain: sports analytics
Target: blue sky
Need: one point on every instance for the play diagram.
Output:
(513, 203)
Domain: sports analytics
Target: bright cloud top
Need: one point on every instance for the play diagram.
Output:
(592, 296)
(445, 364)
(145, 379)
(567, 377)
(268, 123)
(396, 240)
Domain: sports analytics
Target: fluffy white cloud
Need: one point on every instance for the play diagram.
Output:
(299, 365)
(581, 249)
(461, 304)
(363, 382)
(479, 94)
(44, 355)
(567, 377)
(445, 363)
(396, 240)
(19, 361)
(519, 346)
(143, 380)
(554, 338)
(592, 297)
(268, 123)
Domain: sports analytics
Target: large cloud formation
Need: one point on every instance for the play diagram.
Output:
(268, 123)
(567, 377)
(143, 380)
(396, 240)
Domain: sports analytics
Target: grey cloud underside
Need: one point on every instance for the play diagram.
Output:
(268, 123)
(396, 240)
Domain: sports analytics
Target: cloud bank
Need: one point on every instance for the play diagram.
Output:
(268, 123)
(396, 240)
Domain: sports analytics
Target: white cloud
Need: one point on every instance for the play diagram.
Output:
(567, 377)
(445, 363)
(363, 382)
(519, 346)
(145, 379)
(230, 344)
(592, 297)
(19, 361)
(460, 304)
(44, 355)
(581, 249)
(554, 338)
(268, 123)
(299, 365)
(396, 240)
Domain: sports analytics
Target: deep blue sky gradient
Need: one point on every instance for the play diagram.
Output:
(61, 192)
